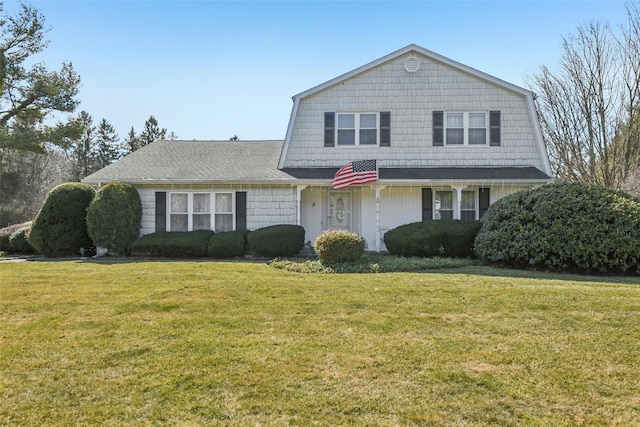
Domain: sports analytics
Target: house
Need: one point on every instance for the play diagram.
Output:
(443, 141)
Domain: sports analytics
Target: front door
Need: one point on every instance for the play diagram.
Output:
(340, 210)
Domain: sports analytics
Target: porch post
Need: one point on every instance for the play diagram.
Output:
(299, 189)
(378, 236)
(456, 211)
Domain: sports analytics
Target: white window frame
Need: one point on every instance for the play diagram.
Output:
(436, 209)
(212, 209)
(357, 128)
(475, 203)
(466, 128)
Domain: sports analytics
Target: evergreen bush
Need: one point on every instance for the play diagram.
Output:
(277, 240)
(175, 244)
(450, 238)
(19, 243)
(228, 244)
(564, 227)
(5, 235)
(113, 217)
(339, 246)
(60, 228)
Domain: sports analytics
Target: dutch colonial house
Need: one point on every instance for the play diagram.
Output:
(438, 140)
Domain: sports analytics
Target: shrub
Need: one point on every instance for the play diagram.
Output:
(229, 244)
(564, 227)
(174, 244)
(5, 235)
(277, 240)
(19, 242)
(60, 228)
(453, 238)
(113, 217)
(338, 246)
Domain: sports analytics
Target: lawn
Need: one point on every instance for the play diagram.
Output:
(209, 343)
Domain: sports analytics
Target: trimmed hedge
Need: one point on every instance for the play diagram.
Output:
(191, 244)
(229, 244)
(7, 232)
(570, 227)
(60, 228)
(276, 240)
(338, 246)
(113, 217)
(451, 238)
(19, 242)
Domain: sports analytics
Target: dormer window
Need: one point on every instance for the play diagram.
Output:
(368, 129)
(358, 129)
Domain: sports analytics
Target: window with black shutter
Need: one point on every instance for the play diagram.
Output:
(438, 128)
(385, 129)
(494, 128)
(427, 204)
(329, 129)
(161, 211)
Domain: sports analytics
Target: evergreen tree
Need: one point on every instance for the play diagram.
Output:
(152, 132)
(107, 146)
(131, 142)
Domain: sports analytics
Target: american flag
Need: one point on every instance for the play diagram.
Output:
(355, 173)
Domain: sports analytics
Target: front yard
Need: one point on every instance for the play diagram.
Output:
(209, 343)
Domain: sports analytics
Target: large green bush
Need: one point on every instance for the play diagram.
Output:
(564, 227)
(175, 244)
(60, 228)
(338, 246)
(451, 238)
(229, 244)
(113, 217)
(276, 240)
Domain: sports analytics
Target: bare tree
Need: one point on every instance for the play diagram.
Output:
(589, 104)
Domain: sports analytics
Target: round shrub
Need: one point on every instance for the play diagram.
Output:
(19, 242)
(564, 227)
(451, 238)
(339, 245)
(229, 244)
(174, 244)
(113, 217)
(60, 228)
(7, 232)
(276, 240)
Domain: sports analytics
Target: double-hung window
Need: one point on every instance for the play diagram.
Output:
(468, 205)
(462, 128)
(194, 211)
(357, 129)
(444, 205)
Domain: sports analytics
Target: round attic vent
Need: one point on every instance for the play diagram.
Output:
(412, 64)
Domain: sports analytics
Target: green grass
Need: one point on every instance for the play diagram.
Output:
(189, 343)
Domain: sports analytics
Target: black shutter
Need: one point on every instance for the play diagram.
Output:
(427, 204)
(385, 129)
(241, 210)
(483, 201)
(438, 128)
(329, 129)
(161, 211)
(494, 130)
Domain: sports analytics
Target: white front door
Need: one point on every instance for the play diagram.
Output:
(340, 210)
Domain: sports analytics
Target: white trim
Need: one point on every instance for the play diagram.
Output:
(287, 138)
(535, 122)
(212, 208)
(408, 49)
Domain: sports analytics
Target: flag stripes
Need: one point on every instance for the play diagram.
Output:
(355, 173)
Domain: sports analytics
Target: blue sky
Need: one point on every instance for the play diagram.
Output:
(213, 69)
